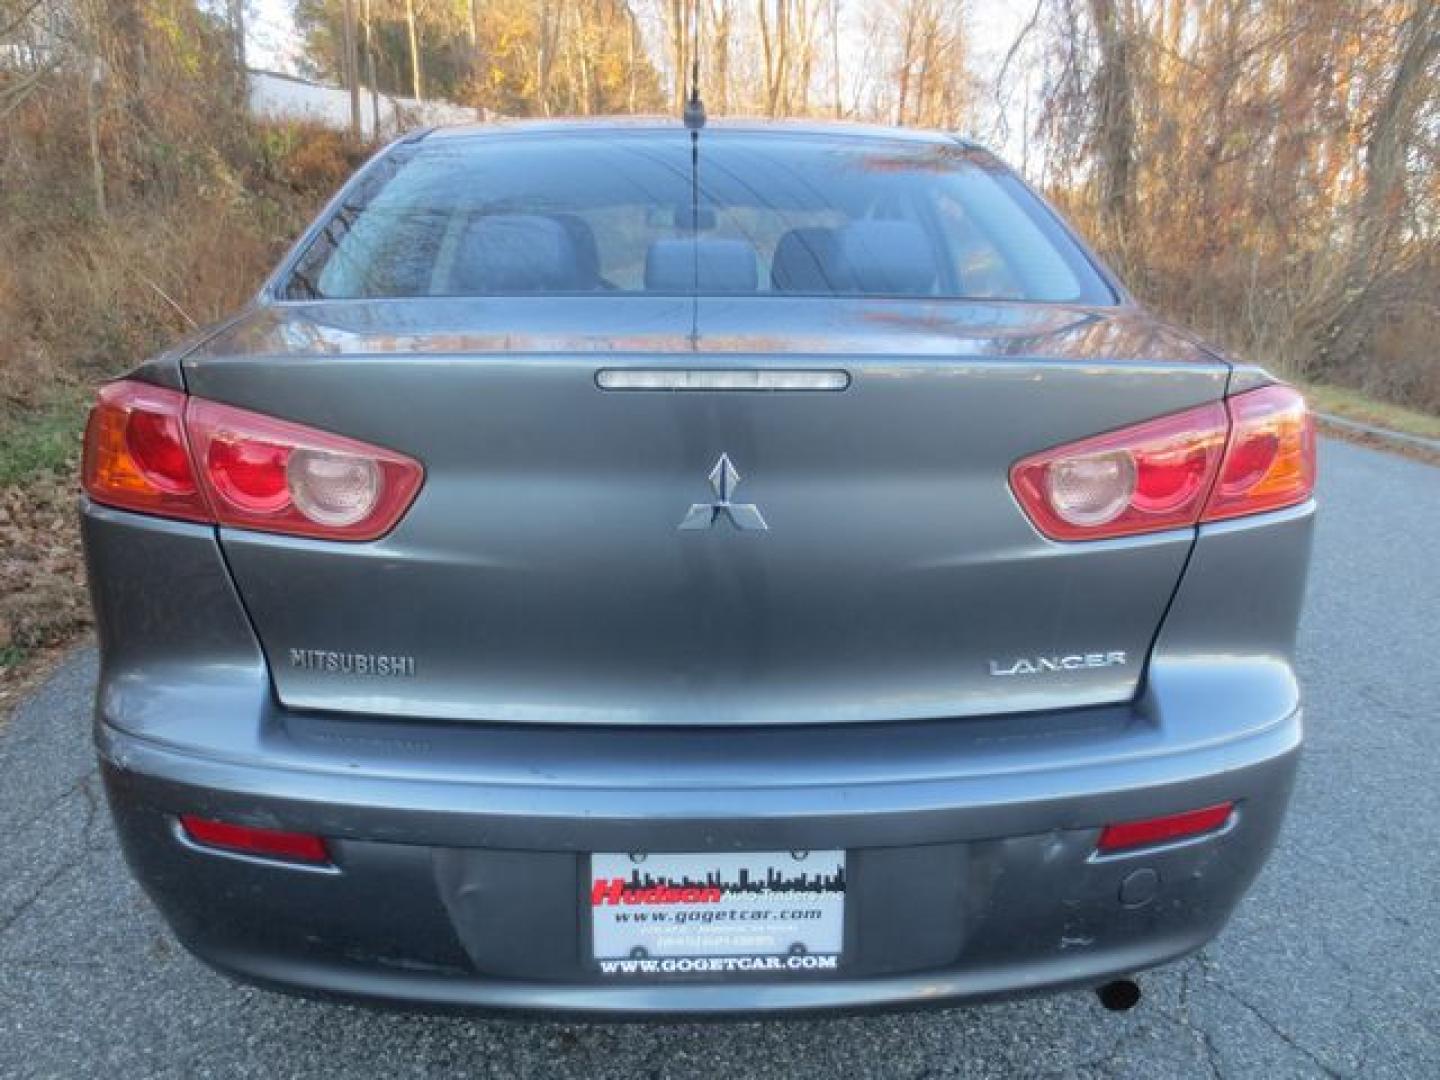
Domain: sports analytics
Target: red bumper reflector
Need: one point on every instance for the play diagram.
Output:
(1131, 834)
(269, 843)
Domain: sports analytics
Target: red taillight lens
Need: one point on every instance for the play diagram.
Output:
(157, 451)
(1255, 452)
(281, 477)
(1270, 462)
(268, 843)
(1144, 478)
(248, 474)
(136, 456)
(156, 443)
(1160, 830)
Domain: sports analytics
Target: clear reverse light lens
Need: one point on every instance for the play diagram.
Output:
(1091, 490)
(1147, 477)
(332, 489)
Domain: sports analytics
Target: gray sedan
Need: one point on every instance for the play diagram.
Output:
(634, 569)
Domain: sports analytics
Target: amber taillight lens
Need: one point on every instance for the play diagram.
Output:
(136, 454)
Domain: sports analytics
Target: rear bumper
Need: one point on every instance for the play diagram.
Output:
(966, 883)
(460, 848)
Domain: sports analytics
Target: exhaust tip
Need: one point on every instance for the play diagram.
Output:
(1119, 995)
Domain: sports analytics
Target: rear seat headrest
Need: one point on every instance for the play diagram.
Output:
(587, 251)
(887, 257)
(707, 265)
(502, 253)
(808, 261)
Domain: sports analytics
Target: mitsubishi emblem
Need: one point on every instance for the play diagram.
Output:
(724, 479)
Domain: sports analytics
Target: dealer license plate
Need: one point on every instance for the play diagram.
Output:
(728, 914)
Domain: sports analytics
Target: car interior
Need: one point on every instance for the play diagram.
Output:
(521, 253)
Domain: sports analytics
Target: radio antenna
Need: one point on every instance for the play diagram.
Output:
(694, 117)
(694, 107)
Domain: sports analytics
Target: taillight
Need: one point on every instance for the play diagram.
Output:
(159, 452)
(1254, 452)
(270, 474)
(136, 455)
(1270, 462)
(1144, 478)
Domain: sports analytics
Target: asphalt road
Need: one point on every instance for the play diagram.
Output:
(1331, 967)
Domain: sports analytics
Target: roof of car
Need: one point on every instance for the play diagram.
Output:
(591, 125)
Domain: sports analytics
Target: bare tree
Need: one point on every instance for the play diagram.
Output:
(835, 58)
(412, 36)
(1114, 94)
(1393, 132)
(720, 27)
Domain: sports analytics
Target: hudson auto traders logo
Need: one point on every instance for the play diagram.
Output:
(617, 891)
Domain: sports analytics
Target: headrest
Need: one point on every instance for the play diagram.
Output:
(888, 257)
(808, 261)
(506, 253)
(587, 251)
(705, 266)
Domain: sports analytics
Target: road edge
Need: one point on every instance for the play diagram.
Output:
(1415, 447)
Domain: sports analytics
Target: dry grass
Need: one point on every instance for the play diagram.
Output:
(94, 297)
(1353, 405)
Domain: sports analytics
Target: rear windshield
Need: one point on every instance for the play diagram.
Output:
(645, 212)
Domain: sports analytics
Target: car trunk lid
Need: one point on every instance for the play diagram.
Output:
(584, 554)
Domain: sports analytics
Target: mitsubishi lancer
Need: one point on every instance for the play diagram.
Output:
(631, 568)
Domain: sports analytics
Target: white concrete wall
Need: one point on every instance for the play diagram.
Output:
(283, 97)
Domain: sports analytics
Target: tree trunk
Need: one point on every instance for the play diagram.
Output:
(678, 52)
(779, 98)
(1346, 335)
(545, 57)
(370, 72)
(722, 21)
(906, 49)
(237, 27)
(92, 131)
(631, 66)
(416, 85)
(1115, 122)
(352, 69)
(772, 45)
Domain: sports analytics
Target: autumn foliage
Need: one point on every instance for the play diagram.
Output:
(1265, 172)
